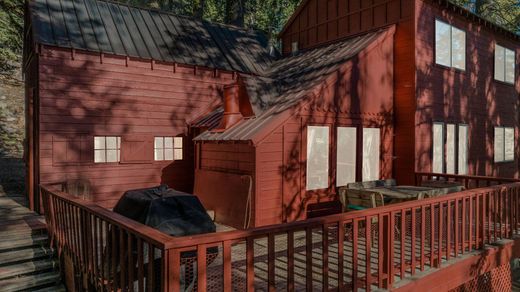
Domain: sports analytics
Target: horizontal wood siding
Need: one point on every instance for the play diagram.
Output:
(471, 97)
(83, 95)
(230, 157)
(321, 21)
(359, 94)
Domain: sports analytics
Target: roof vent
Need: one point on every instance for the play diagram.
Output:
(232, 114)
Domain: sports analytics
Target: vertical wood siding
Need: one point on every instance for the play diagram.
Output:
(83, 95)
(470, 97)
(322, 21)
(359, 94)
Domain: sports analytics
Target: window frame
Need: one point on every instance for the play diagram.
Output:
(105, 149)
(164, 148)
(363, 151)
(451, 67)
(457, 144)
(356, 142)
(503, 144)
(329, 136)
(443, 143)
(505, 49)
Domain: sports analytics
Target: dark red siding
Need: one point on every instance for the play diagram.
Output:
(83, 95)
(359, 94)
(472, 97)
(321, 21)
(224, 181)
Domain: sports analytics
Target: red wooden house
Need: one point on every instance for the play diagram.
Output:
(364, 90)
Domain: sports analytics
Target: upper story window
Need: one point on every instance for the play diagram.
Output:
(504, 64)
(450, 46)
(107, 149)
(168, 148)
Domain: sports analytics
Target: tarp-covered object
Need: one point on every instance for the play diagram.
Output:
(170, 211)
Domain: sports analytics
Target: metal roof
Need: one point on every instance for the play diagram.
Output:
(108, 27)
(288, 83)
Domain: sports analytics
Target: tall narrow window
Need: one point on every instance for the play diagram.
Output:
(317, 157)
(346, 156)
(107, 149)
(504, 143)
(438, 148)
(450, 148)
(371, 154)
(504, 64)
(450, 45)
(463, 150)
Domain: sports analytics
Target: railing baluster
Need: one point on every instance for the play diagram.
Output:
(227, 261)
(441, 228)
(470, 223)
(432, 235)
(456, 235)
(403, 244)
(201, 267)
(150, 279)
(325, 257)
(131, 264)
(413, 237)
(308, 260)
(271, 263)
(368, 246)
(449, 225)
(140, 265)
(250, 249)
(341, 238)
(463, 227)
(423, 235)
(355, 243)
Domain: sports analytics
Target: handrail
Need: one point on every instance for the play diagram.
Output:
(115, 252)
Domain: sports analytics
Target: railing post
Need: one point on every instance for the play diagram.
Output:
(386, 246)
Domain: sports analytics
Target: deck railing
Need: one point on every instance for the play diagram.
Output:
(366, 250)
(469, 181)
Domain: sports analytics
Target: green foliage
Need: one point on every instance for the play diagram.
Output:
(11, 32)
(502, 12)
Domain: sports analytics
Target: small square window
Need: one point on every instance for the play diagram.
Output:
(107, 149)
(168, 148)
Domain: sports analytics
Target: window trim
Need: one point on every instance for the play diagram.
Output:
(504, 145)
(363, 150)
(443, 142)
(457, 144)
(356, 142)
(505, 82)
(450, 67)
(330, 136)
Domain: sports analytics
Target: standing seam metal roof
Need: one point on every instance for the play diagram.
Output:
(108, 27)
(287, 84)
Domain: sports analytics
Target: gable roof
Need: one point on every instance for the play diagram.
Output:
(288, 83)
(447, 3)
(108, 27)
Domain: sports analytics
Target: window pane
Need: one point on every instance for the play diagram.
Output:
(317, 158)
(509, 144)
(463, 149)
(458, 51)
(499, 63)
(168, 154)
(177, 154)
(159, 154)
(99, 156)
(177, 143)
(450, 148)
(499, 144)
(371, 146)
(510, 66)
(158, 143)
(438, 148)
(99, 142)
(346, 156)
(168, 142)
(111, 155)
(111, 142)
(442, 43)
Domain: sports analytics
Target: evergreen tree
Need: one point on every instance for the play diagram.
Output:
(11, 34)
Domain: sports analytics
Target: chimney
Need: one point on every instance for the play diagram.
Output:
(232, 114)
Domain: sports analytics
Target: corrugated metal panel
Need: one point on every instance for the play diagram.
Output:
(287, 84)
(124, 30)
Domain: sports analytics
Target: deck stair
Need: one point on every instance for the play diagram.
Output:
(27, 263)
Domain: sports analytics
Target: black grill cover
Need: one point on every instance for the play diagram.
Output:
(170, 211)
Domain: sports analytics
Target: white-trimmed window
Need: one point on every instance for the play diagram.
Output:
(462, 159)
(504, 64)
(168, 148)
(107, 149)
(450, 45)
(450, 148)
(346, 156)
(371, 153)
(504, 143)
(317, 157)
